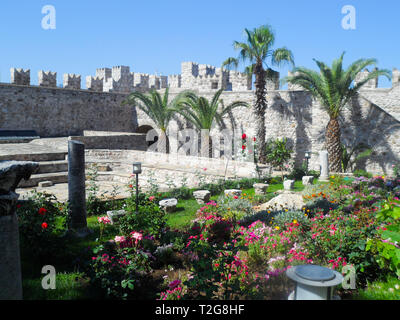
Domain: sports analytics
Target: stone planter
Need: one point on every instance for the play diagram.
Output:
(202, 196)
(288, 184)
(308, 180)
(168, 205)
(115, 215)
(11, 173)
(260, 188)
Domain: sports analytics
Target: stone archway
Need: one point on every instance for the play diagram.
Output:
(144, 129)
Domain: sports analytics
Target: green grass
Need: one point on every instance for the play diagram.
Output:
(388, 290)
(69, 286)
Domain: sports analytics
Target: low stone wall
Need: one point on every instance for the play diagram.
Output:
(126, 142)
(179, 162)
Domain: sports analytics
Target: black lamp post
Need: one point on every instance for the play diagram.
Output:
(308, 157)
(137, 169)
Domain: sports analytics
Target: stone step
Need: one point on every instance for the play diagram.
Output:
(36, 157)
(53, 166)
(55, 177)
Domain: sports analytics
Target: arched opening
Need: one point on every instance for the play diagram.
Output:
(144, 130)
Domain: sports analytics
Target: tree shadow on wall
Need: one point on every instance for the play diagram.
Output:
(298, 107)
(371, 128)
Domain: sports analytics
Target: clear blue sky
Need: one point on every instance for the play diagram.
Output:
(158, 35)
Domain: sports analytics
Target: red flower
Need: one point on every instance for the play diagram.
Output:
(243, 147)
(44, 225)
(18, 206)
(42, 211)
(130, 186)
(254, 139)
(244, 136)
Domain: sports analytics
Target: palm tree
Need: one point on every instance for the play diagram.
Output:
(158, 109)
(334, 88)
(203, 114)
(256, 50)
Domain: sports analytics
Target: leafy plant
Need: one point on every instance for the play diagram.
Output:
(350, 156)
(334, 87)
(278, 153)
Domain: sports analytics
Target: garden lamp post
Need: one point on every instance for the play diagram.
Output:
(308, 157)
(313, 282)
(137, 169)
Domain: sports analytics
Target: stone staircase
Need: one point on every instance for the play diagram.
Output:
(53, 167)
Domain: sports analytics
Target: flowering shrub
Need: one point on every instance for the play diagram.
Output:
(121, 272)
(386, 244)
(149, 220)
(41, 222)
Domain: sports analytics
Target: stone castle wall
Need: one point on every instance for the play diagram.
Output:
(51, 111)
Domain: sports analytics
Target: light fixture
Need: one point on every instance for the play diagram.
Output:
(313, 282)
(137, 169)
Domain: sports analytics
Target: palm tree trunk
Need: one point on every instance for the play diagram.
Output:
(163, 142)
(260, 107)
(206, 144)
(334, 146)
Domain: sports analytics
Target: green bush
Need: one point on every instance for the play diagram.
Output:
(42, 221)
(362, 173)
(284, 218)
(150, 219)
(119, 274)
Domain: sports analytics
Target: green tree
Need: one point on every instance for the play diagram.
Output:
(159, 109)
(278, 153)
(256, 50)
(203, 114)
(334, 87)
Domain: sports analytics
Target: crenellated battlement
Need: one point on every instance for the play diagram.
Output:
(72, 81)
(200, 77)
(20, 76)
(47, 79)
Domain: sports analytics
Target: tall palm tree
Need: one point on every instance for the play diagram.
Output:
(203, 114)
(334, 88)
(256, 50)
(158, 109)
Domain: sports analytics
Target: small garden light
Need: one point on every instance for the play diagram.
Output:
(137, 169)
(313, 282)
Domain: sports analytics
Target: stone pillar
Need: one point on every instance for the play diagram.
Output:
(11, 173)
(324, 163)
(76, 189)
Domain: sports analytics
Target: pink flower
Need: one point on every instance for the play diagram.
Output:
(136, 235)
(119, 239)
(104, 220)
(151, 198)
(174, 284)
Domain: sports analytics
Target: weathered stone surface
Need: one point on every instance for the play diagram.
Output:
(233, 192)
(12, 172)
(168, 205)
(324, 163)
(202, 196)
(288, 184)
(307, 180)
(286, 200)
(115, 215)
(44, 184)
(77, 189)
(293, 114)
(260, 188)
